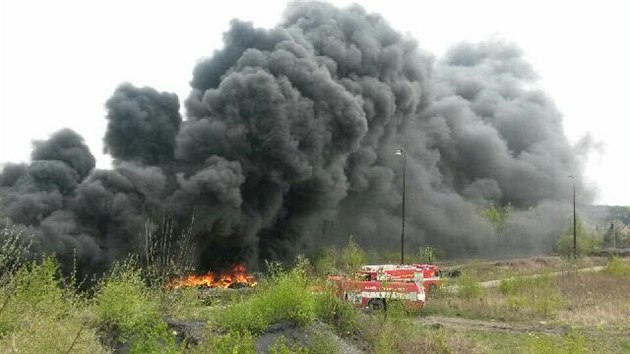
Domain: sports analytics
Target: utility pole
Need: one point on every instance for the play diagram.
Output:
(401, 153)
(574, 225)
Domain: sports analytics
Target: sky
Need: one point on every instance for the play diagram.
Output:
(61, 60)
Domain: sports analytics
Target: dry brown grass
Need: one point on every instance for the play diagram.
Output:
(491, 270)
(595, 299)
(437, 340)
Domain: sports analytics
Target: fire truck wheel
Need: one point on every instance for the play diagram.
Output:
(377, 304)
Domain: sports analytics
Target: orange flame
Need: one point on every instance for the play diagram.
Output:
(237, 276)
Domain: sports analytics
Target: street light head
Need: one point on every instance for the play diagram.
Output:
(399, 152)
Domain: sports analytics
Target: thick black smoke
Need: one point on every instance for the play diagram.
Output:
(142, 125)
(289, 143)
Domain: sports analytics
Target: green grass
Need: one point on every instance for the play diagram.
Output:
(618, 267)
(232, 342)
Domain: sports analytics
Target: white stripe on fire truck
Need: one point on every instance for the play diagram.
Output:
(413, 296)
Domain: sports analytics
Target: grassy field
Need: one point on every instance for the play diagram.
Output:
(129, 310)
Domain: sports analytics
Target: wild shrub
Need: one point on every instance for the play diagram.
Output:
(36, 287)
(468, 287)
(427, 254)
(183, 303)
(34, 304)
(324, 262)
(334, 311)
(385, 342)
(167, 251)
(427, 341)
(282, 346)
(322, 343)
(352, 257)
(128, 311)
(44, 334)
(14, 251)
(532, 296)
(383, 333)
(585, 241)
(284, 297)
(618, 267)
(232, 342)
(573, 342)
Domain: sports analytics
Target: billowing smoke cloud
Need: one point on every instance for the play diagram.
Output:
(289, 143)
(142, 125)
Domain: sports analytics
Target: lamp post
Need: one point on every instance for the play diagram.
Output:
(574, 224)
(401, 153)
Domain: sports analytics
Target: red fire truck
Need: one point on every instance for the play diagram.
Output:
(371, 293)
(395, 272)
(374, 285)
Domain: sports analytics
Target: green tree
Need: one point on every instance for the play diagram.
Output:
(499, 217)
(427, 254)
(585, 241)
(352, 257)
(618, 234)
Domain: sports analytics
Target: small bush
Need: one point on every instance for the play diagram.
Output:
(285, 297)
(232, 342)
(183, 303)
(352, 257)
(427, 255)
(281, 346)
(533, 296)
(428, 341)
(572, 343)
(585, 242)
(322, 343)
(128, 311)
(33, 306)
(336, 312)
(14, 250)
(324, 262)
(34, 291)
(618, 267)
(37, 287)
(386, 342)
(469, 287)
(45, 334)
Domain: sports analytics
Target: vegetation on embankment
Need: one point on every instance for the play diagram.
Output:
(294, 310)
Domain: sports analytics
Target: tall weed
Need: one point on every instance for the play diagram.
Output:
(352, 257)
(14, 251)
(232, 342)
(469, 287)
(618, 267)
(572, 343)
(334, 311)
(533, 296)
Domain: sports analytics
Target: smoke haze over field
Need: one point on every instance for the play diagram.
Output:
(288, 143)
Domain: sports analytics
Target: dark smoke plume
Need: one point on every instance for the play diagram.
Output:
(289, 144)
(142, 125)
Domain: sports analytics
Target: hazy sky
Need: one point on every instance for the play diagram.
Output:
(61, 60)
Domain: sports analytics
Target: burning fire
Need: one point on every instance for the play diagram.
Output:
(236, 277)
